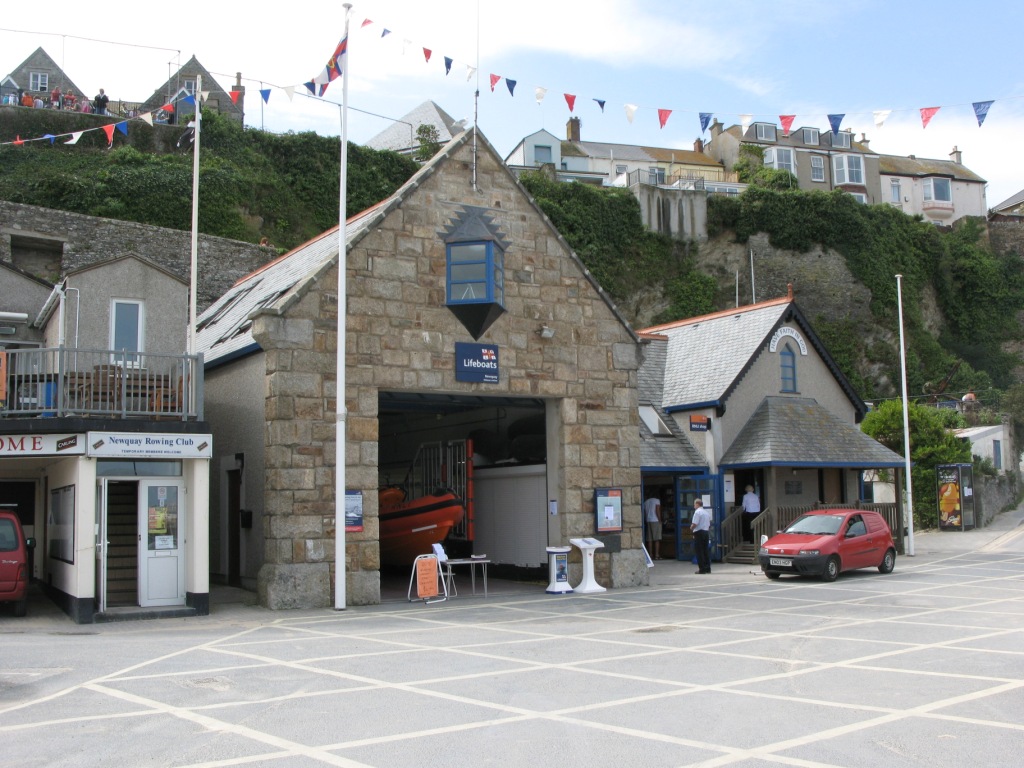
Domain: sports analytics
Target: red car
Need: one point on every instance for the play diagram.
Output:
(14, 574)
(826, 542)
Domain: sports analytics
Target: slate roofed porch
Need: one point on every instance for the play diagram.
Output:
(60, 382)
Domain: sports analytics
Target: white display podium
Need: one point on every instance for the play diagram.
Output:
(558, 570)
(589, 583)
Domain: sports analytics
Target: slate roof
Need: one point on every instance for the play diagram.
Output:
(401, 134)
(706, 355)
(896, 165)
(637, 154)
(794, 138)
(661, 451)
(175, 82)
(1010, 203)
(798, 432)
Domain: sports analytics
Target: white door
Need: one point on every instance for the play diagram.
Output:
(101, 545)
(161, 543)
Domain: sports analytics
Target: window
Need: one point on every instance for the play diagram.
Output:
(620, 169)
(788, 358)
(476, 274)
(997, 454)
(780, 159)
(541, 154)
(653, 421)
(190, 87)
(848, 169)
(938, 189)
(657, 175)
(60, 524)
(859, 197)
(126, 319)
(817, 168)
(811, 136)
(895, 196)
(841, 139)
(765, 132)
(38, 81)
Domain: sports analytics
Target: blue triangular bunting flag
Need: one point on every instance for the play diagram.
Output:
(311, 86)
(265, 93)
(122, 127)
(447, 64)
(385, 33)
(511, 86)
(190, 100)
(705, 118)
(49, 136)
(835, 121)
(600, 103)
(981, 111)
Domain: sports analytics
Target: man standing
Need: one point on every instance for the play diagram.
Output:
(99, 104)
(700, 526)
(751, 509)
(652, 516)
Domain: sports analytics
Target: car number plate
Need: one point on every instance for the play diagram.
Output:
(783, 561)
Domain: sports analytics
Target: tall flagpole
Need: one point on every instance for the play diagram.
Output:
(341, 412)
(194, 270)
(906, 424)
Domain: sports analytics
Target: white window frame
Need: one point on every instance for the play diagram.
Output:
(817, 168)
(841, 140)
(190, 86)
(773, 157)
(39, 81)
(929, 191)
(132, 355)
(621, 169)
(860, 197)
(844, 172)
(810, 136)
(656, 175)
(895, 192)
(765, 131)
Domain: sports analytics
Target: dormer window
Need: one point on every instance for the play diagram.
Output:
(841, 139)
(811, 136)
(542, 154)
(475, 269)
(765, 131)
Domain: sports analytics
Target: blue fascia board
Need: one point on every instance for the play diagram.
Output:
(814, 465)
(691, 406)
(701, 469)
(245, 351)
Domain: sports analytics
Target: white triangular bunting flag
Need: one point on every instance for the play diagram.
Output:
(289, 91)
(74, 137)
(745, 121)
(630, 111)
(540, 93)
(880, 116)
(147, 118)
(470, 71)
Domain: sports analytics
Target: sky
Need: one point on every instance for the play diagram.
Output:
(729, 58)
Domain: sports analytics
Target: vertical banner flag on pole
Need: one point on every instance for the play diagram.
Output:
(333, 68)
(663, 116)
(705, 119)
(981, 111)
(835, 121)
(927, 113)
(787, 122)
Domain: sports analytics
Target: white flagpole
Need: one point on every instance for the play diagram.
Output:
(193, 275)
(340, 409)
(906, 424)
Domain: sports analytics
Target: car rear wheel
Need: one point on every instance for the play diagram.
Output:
(888, 562)
(21, 607)
(772, 574)
(831, 569)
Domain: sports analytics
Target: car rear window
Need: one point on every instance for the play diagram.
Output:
(8, 535)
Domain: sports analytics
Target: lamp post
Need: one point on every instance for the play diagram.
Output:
(909, 509)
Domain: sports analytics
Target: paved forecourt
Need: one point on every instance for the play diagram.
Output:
(921, 667)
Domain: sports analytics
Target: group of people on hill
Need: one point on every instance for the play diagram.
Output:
(66, 100)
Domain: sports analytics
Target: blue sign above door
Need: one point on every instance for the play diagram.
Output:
(476, 363)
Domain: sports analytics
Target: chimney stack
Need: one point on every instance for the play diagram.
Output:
(864, 140)
(956, 156)
(572, 129)
(716, 128)
(698, 146)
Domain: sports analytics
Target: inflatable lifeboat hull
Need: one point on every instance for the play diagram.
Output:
(411, 528)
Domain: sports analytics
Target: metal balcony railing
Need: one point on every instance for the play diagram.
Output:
(61, 382)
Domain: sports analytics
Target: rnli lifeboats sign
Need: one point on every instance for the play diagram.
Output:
(476, 363)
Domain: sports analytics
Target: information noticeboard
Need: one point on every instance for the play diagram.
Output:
(608, 509)
(353, 511)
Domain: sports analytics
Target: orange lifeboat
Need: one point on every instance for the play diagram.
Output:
(410, 528)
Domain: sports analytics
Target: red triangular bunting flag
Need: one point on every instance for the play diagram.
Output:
(927, 113)
(168, 107)
(18, 141)
(426, 54)
(109, 130)
(570, 100)
(366, 23)
(234, 96)
(663, 116)
(495, 79)
(787, 122)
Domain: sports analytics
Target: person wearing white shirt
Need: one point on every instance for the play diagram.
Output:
(751, 509)
(700, 526)
(652, 518)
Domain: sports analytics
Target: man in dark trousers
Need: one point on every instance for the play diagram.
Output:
(99, 104)
(700, 526)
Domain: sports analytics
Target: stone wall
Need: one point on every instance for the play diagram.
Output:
(678, 213)
(49, 243)
(994, 495)
(400, 338)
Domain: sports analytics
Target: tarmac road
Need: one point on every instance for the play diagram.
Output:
(924, 666)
